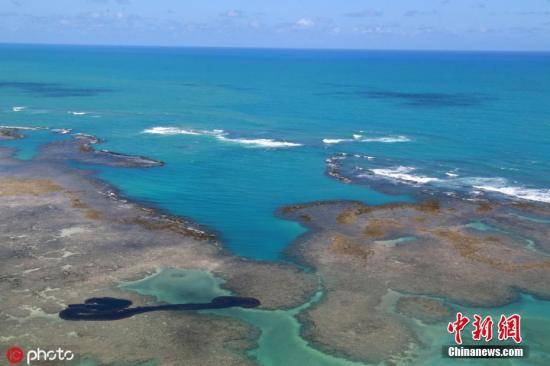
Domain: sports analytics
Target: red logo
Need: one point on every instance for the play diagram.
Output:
(483, 328)
(15, 355)
(457, 326)
(509, 327)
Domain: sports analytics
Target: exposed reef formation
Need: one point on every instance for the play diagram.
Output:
(10, 134)
(81, 149)
(65, 236)
(363, 252)
(424, 309)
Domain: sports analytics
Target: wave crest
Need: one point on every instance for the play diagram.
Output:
(388, 139)
(360, 138)
(221, 135)
(402, 173)
(170, 131)
(500, 186)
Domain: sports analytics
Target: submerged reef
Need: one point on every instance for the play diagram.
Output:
(10, 134)
(51, 90)
(81, 149)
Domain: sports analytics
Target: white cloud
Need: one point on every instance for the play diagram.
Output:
(255, 23)
(364, 13)
(376, 29)
(233, 13)
(335, 30)
(304, 23)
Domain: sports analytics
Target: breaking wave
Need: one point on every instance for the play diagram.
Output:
(259, 142)
(360, 138)
(388, 139)
(500, 186)
(170, 131)
(62, 131)
(402, 173)
(347, 168)
(221, 135)
(335, 141)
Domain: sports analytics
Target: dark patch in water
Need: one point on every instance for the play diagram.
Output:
(340, 85)
(414, 99)
(226, 86)
(191, 85)
(428, 99)
(110, 308)
(52, 90)
(234, 87)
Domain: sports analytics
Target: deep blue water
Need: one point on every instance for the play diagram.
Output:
(451, 121)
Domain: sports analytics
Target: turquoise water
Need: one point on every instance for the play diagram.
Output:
(535, 325)
(480, 116)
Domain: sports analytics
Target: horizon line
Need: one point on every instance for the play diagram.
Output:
(442, 50)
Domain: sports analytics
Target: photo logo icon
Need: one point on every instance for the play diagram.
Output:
(15, 355)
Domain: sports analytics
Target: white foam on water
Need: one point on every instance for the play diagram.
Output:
(18, 108)
(62, 131)
(170, 131)
(360, 138)
(530, 194)
(259, 142)
(222, 136)
(363, 157)
(475, 186)
(403, 173)
(335, 141)
(388, 139)
(75, 113)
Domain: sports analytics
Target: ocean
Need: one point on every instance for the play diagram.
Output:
(246, 131)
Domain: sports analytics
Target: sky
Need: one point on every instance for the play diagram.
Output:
(522, 25)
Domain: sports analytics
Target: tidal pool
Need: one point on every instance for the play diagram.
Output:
(279, 343)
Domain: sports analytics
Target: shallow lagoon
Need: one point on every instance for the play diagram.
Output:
(280, 342)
